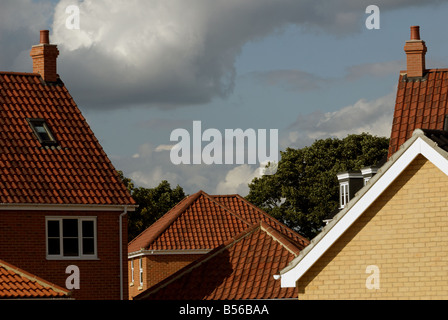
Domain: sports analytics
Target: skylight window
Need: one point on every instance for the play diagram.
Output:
(42, 132)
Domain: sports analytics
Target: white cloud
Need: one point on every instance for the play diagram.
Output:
(237, 180)
(148, 168)
(164, 147)
(374, 117)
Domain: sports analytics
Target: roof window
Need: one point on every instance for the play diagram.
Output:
(42, 131)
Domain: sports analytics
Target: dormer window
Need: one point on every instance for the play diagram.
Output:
(42, 131)
(350, 182)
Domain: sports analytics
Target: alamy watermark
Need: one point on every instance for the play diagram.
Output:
(373, 280)
(234, 147)
(373, 21)
(73, 20)
(72, 281)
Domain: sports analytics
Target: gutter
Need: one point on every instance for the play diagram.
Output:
(144, 252)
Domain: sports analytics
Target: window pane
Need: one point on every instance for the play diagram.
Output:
(53, 228)
(70, 228)
(87, 229)
(88, 246)
(53, 247)
(70, 247)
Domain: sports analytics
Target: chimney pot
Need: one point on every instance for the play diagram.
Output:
(44, 37)
(415, 33)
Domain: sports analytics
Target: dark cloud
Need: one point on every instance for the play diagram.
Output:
(20, 22)
(159, 53)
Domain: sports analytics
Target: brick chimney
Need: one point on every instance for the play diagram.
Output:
(44, 58)
(415, 54)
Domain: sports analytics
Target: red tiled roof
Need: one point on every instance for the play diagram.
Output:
(421, 103)
(18, 284)
(201, 221)
(242, 268)
(197, 222)
(77, 171)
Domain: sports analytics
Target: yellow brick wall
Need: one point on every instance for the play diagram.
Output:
(404, 233)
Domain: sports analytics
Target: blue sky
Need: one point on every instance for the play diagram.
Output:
(140, 69)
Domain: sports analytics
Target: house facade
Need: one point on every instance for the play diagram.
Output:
(389, 240)
(191, 230)
(239, 269)
(62, 204)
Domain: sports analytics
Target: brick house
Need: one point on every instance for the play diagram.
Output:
(243, 267)
(389, 241)
(62, 204)
(191, 230)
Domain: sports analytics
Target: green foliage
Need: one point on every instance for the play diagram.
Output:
(305, 187)
(152, 204)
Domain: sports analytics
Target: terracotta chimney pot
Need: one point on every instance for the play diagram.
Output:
(415, 33)
(44, 37)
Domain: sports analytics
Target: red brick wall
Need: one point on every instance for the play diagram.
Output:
(415, 57)
(23, 244)
(44, 61)
(156, 268)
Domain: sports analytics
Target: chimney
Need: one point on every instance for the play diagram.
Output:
(415, 54)
(44, 58)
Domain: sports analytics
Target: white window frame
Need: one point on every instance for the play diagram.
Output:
(344, 195)
(132, 270)
(140, 266)
(80, 255)
(366, 179)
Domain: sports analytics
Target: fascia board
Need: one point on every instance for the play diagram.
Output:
(64, 207)
(167, 252)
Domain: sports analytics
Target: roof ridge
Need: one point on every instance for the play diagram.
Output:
(281, 238)
(14, 73)
(271, 218)
(44, 283)
(228, 209)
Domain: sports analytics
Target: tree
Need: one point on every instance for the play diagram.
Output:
(152, 204)
(305, 187)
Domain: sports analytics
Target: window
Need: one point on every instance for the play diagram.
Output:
(366, 179)
(69, 237)
(132, 270)
(141, 271)
(344, 196)
(42, 131)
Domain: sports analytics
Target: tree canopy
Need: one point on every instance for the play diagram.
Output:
(152, 204)
(305, 187)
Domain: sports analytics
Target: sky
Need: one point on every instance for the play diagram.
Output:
(140, 69)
